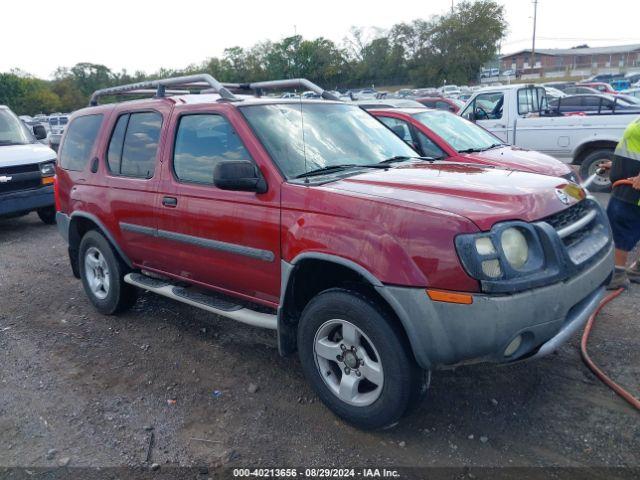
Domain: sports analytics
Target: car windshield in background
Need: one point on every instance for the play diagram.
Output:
(63, 120)
(53, 121)
(12, 130)
(302, 137)
(461, 134)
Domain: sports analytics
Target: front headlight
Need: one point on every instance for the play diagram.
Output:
(48, 169)
(515, 247)
(504, 258)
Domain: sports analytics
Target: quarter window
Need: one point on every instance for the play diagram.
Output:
(202, 141)
(134, 144)
(79, 141)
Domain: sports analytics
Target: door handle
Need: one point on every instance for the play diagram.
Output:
(170, 202)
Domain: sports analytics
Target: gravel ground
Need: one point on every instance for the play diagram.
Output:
(83, 389)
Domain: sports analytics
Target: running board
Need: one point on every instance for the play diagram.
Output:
(208, 302)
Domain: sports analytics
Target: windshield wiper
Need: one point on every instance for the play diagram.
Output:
(495, 145)
(382, 164)
(470, 150)
(328, 168)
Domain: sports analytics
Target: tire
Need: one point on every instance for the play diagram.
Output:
(47, 215)
(589, 166)
(102, 273)
(381, 379)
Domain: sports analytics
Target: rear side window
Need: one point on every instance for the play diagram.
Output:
(134, 144)
(202, 141)
(79, 141)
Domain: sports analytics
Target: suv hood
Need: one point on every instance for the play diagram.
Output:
(484, 195)
(16, 155)
(520, 159)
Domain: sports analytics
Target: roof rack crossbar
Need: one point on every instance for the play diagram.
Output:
(301, 83)
(202, 80)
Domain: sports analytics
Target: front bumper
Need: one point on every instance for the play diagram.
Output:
(23, 201)
(443, 334)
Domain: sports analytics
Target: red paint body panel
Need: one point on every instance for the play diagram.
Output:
(399, 223)
(511, 157)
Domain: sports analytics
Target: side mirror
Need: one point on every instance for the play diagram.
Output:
(40, 132)
(240, 175)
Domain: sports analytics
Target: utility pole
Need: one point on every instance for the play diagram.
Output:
(532, 63)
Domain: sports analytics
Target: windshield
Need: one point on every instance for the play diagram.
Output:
(63, 120)
(333, 134)
(12, 130)
(456, 131)
(53, 121)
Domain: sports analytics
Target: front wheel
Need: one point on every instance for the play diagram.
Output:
(360, 366)
(102, 273)
(589, 166)
(47, 215)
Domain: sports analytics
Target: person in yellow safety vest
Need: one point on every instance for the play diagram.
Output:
(624, 206)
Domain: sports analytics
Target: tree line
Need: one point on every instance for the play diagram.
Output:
(450, 47)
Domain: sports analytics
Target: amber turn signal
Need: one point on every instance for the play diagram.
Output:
(450, 297)
(47, 180)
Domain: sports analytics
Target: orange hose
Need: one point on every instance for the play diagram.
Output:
(633, 401)
(622, 182)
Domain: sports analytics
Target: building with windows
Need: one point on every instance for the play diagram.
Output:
(574, 61)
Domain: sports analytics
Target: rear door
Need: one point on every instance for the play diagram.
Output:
(132, 174)
(221, 239)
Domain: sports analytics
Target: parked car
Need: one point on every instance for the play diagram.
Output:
(520, 115)
(26, 169)
(632, 77)
(593, 104)
(450, 91)
(631, 99)
(601, 87)
(311, 218)
(442, 103)
(443, 135)
(57, 124)
(554, 93)
(620, 84)
(577, 90)
(632, 92)
(509, 73)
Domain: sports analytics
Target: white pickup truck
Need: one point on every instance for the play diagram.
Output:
(520, 115)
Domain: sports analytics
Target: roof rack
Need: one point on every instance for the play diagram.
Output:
(207, 84)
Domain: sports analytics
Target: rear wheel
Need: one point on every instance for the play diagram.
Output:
(47, 215)
(589, 166)
(356, 361)
(102, 273)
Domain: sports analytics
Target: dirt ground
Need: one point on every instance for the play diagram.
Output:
(87, 390)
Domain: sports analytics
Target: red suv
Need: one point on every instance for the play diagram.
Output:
(311, 218)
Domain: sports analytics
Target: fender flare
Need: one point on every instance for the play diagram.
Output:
(287, 341)
(104, 231)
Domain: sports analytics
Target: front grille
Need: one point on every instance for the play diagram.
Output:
(33, 167)
(582, 229)
(569, 216)
(20, 177)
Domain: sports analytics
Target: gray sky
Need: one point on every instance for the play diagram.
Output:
(39, 35)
